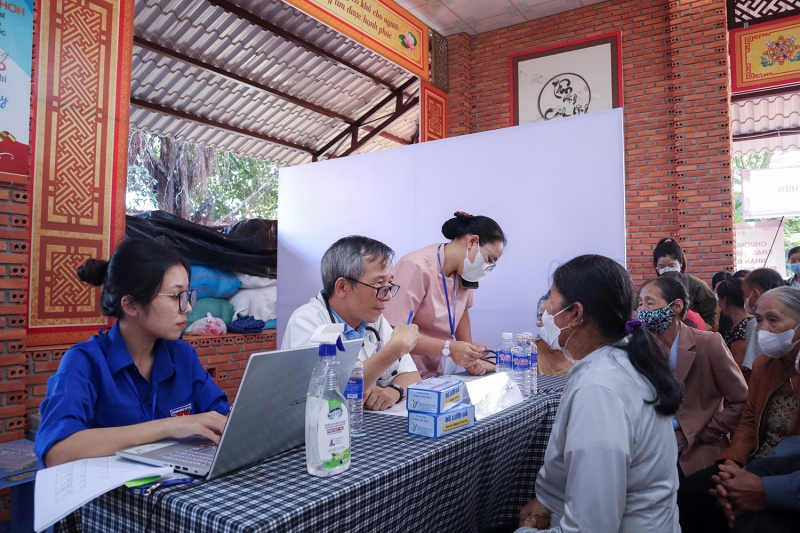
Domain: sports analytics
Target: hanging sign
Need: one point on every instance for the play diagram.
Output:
(380, 25)
(765, 55)
(16, 59)
(755, 248)
(771, 192)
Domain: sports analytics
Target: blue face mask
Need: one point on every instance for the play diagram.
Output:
(795, 268)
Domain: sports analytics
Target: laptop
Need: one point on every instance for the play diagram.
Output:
(267, 417)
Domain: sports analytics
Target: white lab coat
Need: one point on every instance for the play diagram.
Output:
(307, 318)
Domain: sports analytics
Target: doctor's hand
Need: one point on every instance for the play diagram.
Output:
(209, 425)
(405, 337)
(464, 353)
(380, 398)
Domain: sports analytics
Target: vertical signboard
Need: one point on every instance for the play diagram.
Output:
(16, 59)
(755, 248)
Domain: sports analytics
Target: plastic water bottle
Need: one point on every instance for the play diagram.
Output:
(521, 364)
(503, 353)
(354, 394)
(533, 372)
(327, 418)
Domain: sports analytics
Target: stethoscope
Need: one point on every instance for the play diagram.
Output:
(378, 343)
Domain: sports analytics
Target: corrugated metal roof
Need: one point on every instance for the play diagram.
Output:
(768, 122)
(214, 35)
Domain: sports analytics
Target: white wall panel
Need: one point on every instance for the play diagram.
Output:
(556, 188)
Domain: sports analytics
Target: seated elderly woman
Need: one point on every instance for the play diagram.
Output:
(714, 388)
(610, 461)
(771, 412)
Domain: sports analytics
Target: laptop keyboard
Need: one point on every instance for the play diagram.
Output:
(202, 455)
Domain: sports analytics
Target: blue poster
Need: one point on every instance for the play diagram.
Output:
(16, 62)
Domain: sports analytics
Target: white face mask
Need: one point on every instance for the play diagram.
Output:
(747, 307)
(543, 333)
(478, 269)
(662, 271)
(552, 331)
(777, 345)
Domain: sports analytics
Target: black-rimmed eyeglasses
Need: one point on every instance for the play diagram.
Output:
(185, 298)
(380, 292)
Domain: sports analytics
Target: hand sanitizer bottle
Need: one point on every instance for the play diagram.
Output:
(327, 417)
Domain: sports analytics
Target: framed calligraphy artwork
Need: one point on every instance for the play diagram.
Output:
(564, 81)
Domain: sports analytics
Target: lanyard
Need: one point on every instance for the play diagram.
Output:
(451, 317)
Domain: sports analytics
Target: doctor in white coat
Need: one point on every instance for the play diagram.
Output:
(357, 285)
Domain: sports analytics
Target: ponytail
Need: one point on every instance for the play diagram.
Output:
(648, 357)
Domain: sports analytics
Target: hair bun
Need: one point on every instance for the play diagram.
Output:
(463, 214)
(93, 271)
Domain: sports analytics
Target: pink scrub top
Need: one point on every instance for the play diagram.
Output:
(420, 280)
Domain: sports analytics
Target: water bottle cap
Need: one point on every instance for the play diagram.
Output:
(327, 350)
(520, 337)
(528, 334)
(508, 336)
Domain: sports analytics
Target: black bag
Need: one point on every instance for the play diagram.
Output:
(249, 247)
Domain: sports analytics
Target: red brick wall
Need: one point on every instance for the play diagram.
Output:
(677, 129)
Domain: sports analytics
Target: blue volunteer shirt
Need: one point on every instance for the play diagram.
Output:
(97, 385)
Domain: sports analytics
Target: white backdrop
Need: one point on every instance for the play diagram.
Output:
(556, 188)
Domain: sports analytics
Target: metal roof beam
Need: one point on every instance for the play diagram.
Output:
(214, 124)
(208, 67)
(397, 95)
(272, 28)
(766, 134)
(399, 112)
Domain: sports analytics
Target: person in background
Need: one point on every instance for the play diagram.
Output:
(357, 285)
(794, 265)
(138, 383)
(713, 387)
(731, 303)
(690, 318)
(724, 323)
(755, 283)
(438, 283)
(740, 274)
(668, 256)
(610, 461)
(770, 415)
(551, 362)
(719, 277)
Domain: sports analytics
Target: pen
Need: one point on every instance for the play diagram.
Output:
(410, 316)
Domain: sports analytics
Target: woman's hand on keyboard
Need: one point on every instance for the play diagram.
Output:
(209, 425)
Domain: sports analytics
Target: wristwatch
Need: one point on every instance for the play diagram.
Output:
(399, 389)
(446, 349)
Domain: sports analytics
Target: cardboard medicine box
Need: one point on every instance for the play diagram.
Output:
(439, 425)
(434, 395)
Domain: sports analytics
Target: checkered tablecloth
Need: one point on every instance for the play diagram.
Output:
(464, 482)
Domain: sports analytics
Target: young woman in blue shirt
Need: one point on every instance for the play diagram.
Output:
(138, 383)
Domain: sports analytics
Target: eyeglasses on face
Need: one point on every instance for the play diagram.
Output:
(380, 292)
(185, 298)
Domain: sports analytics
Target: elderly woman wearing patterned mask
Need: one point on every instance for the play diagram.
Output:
(771, 412)
(714, 389)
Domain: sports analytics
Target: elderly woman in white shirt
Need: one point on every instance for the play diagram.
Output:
(610, 461)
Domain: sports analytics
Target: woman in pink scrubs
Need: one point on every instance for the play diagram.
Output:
(437, 284)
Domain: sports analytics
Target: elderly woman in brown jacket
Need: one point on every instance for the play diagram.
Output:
(714, 389)
(770, 415)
